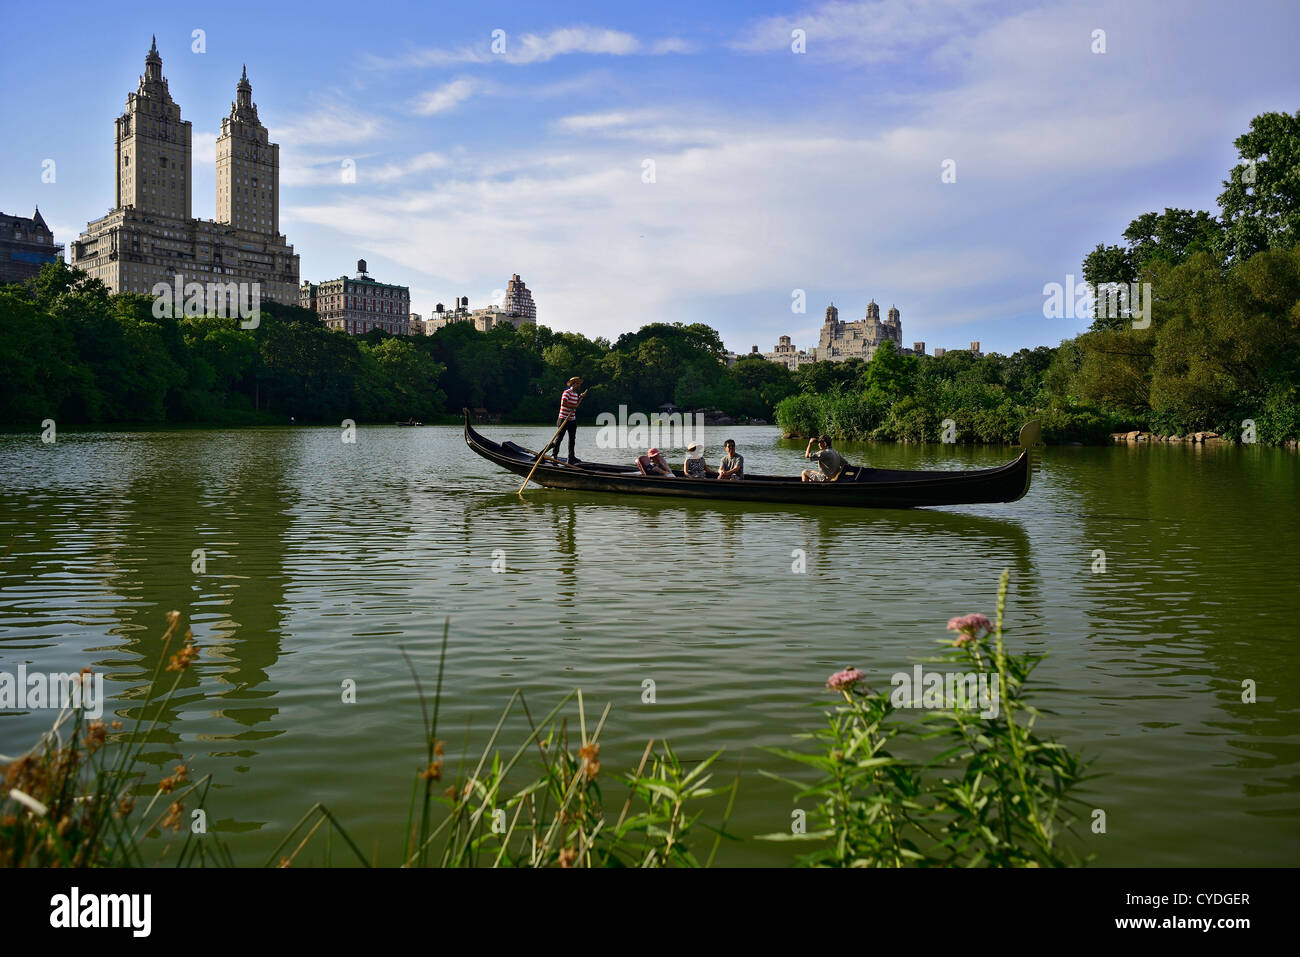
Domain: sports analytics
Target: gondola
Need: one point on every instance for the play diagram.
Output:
(858, 487)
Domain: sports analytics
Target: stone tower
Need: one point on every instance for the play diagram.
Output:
(248, 168)
(893, 316)
(153, 148)
(873, 311)
(832, 315)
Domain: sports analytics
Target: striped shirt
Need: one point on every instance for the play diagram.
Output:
(568, 404)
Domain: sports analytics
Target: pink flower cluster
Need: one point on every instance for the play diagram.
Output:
(845, 680)
(969, 628)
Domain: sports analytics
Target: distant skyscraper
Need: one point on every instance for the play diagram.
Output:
(248, 167)
(518, 303)
(149, 236)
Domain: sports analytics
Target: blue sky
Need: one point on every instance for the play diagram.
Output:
(774, 171)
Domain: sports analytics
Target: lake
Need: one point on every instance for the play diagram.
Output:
(322, 559)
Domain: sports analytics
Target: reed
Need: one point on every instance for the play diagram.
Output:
(75, 798)
(483, 815)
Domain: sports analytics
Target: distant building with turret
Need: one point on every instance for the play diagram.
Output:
(25, 246)
(788, 355)
(860, 338)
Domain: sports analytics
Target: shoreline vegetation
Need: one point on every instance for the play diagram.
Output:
(965, 783)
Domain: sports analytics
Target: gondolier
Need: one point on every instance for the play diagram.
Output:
(567, 423)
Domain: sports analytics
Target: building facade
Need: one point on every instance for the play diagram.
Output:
(974, 350)
(860, 338)
(359, 304)
(518, 302)
(790, 356)
(25, 246)
(517, 309)
(150, 236)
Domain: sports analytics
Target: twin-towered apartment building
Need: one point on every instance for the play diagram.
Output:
(150, 235)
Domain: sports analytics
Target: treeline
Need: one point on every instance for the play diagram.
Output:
(917, 398)
(73, 352)
(1221, 352)
(76, 353)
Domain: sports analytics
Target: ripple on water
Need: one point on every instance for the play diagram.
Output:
(324, 561)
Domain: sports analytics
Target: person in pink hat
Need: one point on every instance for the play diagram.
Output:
(652, 463)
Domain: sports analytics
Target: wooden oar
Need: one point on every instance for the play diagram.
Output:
(542, 454)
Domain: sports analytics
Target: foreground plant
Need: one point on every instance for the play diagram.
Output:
(481, 815)
(73, 800)
(967, 784)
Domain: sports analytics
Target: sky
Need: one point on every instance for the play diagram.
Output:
(680, 161)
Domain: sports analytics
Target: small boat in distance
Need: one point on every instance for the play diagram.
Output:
(409, 422)
(860, 487)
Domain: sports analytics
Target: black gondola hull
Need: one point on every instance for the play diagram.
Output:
(877, 488)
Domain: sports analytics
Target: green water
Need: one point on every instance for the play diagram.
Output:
(323, 557)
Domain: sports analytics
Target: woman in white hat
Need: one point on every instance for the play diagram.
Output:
(695, 466)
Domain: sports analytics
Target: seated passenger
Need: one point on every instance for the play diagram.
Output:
(652, 463)
(830, 464)
(733, 465)
(695, 466)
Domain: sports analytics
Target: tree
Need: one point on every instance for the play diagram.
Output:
(1171, 236)
(890, 372)
(1260, 202)
(1108, 264)
(761, 385)
(410, 379)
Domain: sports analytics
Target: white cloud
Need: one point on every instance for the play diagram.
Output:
(649, 127)
(204, 147)
(869, 32)
(331, 125)
(537, 48)
(444, 98)
(671, 45)
(331, 171)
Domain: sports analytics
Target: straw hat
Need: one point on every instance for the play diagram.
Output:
(695, 451)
